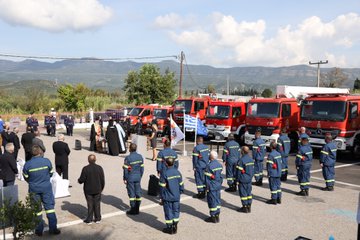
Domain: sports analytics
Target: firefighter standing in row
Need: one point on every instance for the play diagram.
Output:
(213, 186)
(273, 165)
(200, 160)
(37, 172)
(283, 147)
(171, 187)
(167, 152)
(327, 162)
(303, 164)
(133, 172)
(245, 173)
(230, 158)
(258, 153)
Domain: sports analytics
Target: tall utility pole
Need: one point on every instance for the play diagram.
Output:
(227, 85)
(182, 56)
(318, 69)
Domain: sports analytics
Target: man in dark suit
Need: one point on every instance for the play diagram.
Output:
(27, 141)
(13, 138)
(62, 151)
(93, 178)
(8, 165)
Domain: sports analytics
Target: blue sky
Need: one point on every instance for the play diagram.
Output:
(219, 33)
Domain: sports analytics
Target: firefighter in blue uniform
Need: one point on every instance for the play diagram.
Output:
(273, 165)
(29, 122)
(37, 172)
(70, 125)
(302, 134)
(35, 124)
(258, 153)
(230, 157)
(47, 124)
(244, 175)
(303, 165)
(52, 123)
(327, 162)
(200, 160)
(213, 186)
(133, 172)
(171, 186)
(167, 152)
(283, 147)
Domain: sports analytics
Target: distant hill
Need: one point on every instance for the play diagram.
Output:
(110, 75)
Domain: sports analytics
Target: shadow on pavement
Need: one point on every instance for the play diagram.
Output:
(74, 235)
(229, 205)
(74, 208)
(148, 219)
(114, 201)
(191, 211)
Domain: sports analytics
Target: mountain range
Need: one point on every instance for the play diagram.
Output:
(111, 75)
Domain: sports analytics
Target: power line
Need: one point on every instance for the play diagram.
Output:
(86, 58)
(189, 73)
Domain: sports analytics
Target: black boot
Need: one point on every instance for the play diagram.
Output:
(243, 209)
(278, 201)
(301, 193)
(283, 178)
(249, 208)
(306, 192)
(137, 207)
(132, 211)
(271, 201)
(217, 218)
(211, 219)
(229, 189)
(331, 188)
(202, 195)
(168, 230)
(174, 227)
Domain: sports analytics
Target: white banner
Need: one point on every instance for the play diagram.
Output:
(176, 133)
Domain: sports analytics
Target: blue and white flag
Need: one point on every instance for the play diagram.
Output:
(201, 129)
(189, 122)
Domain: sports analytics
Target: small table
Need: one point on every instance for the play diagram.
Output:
(217, 142)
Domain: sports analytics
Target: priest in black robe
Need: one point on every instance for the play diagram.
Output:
(112, 138)
(92, 138)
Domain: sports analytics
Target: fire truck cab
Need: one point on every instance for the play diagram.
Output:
(271, 115)
(161, 115)
(194, 106)
(143, 112)
(334, 113)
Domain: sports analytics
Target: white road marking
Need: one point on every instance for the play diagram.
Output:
(338, 166)
(343, 183)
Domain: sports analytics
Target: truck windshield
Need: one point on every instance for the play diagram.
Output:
(263, 110)
(218, 112)
(323, 110)
(135, 111)
(160, 113)
(180, 105)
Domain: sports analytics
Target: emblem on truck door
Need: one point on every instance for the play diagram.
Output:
(318, 124)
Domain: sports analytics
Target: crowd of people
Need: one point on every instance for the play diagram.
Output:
(242, 164)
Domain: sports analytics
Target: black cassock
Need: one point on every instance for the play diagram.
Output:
(112, 138)
(93, 138)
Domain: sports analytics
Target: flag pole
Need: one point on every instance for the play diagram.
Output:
(171, 120)
(196, 126)
(184, 149)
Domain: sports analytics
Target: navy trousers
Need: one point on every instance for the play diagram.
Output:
(329, 175)
(214, 202)
(275, 187)
(172, 212)
(134, 193)
(245, 193)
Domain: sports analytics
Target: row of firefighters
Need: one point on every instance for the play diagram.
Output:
(241, 168)
(50, 122)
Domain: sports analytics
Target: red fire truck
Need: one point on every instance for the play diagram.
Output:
(227, 117)
(162, 115)
(193, 106)
(334, 113)
(143, 112)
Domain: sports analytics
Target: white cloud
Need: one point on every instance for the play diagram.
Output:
(55, 15)
(229, 42)
(173, 20)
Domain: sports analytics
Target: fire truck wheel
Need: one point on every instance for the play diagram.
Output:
(356, 148)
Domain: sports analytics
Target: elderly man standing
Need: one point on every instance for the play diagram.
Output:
(93, 178)
(37, 172)
(62, 151)
(8, 165)
(13, 138)
(37, 141)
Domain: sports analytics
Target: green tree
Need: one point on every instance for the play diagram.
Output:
(210, 89)
(148, 85)
(74, 97)
(357, 84)
(333, 79)
(266, 93)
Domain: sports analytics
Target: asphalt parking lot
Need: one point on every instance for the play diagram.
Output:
(316, 217)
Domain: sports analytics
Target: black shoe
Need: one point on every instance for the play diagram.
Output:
(132, 211)
(88, 222)
(229, 189)
(301, 193)
(271, 201)
(202, 195)
(331, 188)
(249, 208)
(283, 178)
(196, 195)
(137, 207)
(55, 232)
(211, 219)
(243, 209)
(307, 192)
(168, 230)
(217, 218)
(174, 227)
(278, 201)
(325, 189)
(39, 234)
